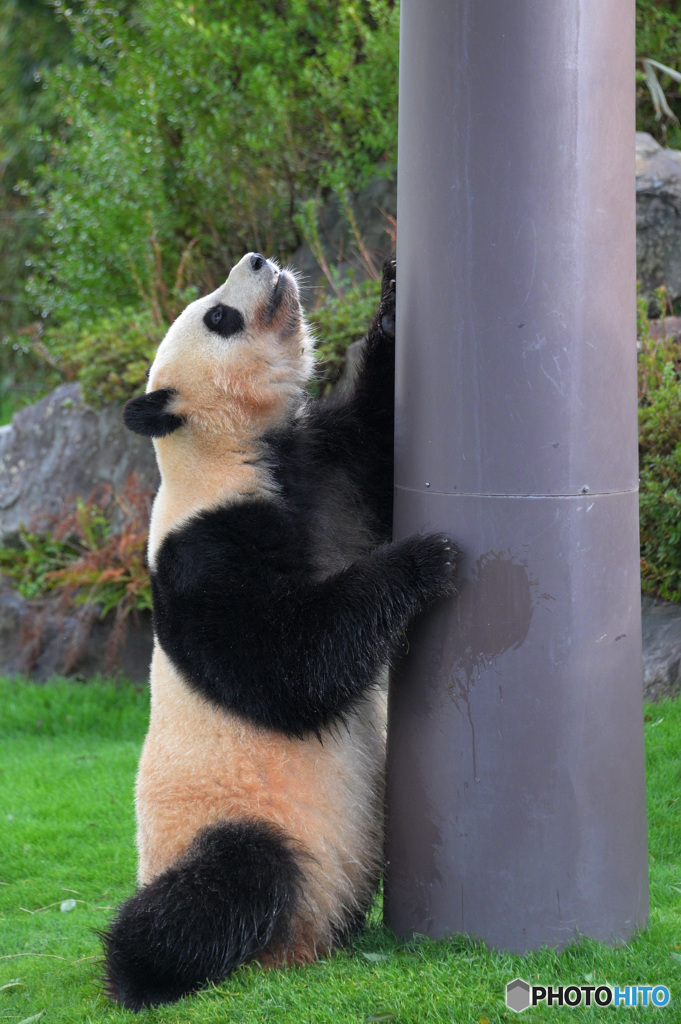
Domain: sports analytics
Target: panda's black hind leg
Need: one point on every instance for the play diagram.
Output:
(228, 899)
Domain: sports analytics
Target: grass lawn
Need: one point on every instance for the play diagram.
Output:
(68, 754)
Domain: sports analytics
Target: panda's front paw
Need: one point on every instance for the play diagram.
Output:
(433, 561)
(386, 310)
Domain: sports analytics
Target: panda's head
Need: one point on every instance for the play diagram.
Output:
(233, 362)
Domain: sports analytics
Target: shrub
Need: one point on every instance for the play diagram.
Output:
(337, 322)
(32, 42)
(660, 482)
(92, 557)
(658, 36)
(659, 462)
(205, 123)
(110, 357)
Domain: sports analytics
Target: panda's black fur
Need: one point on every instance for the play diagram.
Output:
(301, 652)
(277, 608)
(227, 899)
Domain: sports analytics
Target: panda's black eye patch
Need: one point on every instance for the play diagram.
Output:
(224, 320)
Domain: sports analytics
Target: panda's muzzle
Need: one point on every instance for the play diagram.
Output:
(257, 263)
(281, 288)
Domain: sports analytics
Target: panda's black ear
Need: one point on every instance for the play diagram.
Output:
(148, 414)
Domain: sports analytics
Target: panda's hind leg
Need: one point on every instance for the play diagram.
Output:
(233, 896)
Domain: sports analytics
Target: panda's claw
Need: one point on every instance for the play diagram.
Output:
(388, 293)
(433, 560)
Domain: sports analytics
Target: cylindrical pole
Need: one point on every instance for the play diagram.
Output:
(516, 804)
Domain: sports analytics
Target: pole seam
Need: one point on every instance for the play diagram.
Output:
(483, 494)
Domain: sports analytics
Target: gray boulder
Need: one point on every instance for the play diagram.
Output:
(658, 217)
(42, 641)
(661, 649)
(374, 208)
(51, 452)
(60, 448)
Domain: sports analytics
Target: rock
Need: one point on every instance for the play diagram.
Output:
(658, 217)
(42, 642)
(12, 612)
(59, 448)
(374, 208)
(661, 648)
(666, 329)
(52, 452)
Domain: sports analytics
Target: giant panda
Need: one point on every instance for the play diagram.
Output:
(278, 597)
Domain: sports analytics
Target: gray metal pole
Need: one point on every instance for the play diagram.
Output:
(516, 804)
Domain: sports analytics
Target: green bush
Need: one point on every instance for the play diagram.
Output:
(202, 124)
(660, 483)
(658, 36)
(336, 323)
(110, 357)
(32, 43)
(659, 395)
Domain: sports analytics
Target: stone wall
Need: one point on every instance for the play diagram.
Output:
(658, 217)
(51, 452)
(60, 448)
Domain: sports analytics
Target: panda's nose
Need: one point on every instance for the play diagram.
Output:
(257, 261)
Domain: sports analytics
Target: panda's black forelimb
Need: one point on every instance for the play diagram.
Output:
(355, 430)
(231, 896)
(238, 610)
(373, 397)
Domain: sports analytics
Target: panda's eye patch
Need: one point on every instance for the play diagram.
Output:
(224, 320)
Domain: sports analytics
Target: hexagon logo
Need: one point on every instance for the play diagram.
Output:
(517, 995)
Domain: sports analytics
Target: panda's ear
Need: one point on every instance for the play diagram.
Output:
(148, 414)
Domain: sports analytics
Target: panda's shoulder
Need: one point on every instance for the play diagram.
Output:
(233, 525)
(241, 539)
(309, 443)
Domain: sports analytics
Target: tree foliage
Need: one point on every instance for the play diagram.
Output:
(197, 128)
(32, 43)
(145, 146)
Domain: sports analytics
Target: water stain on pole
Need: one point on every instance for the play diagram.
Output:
(515, 745)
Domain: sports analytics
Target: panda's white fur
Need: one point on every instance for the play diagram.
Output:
(228, 396)
(201, 765)
(261, 775)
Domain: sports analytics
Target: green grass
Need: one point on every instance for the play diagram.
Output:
(68, 754)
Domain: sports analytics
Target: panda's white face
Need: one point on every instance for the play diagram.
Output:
(236, 358)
